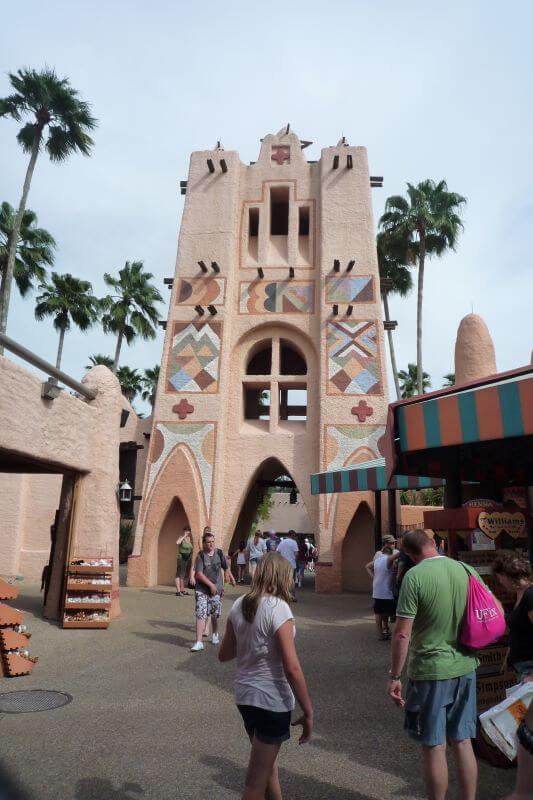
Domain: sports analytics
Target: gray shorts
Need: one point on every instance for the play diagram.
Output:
(441, 711)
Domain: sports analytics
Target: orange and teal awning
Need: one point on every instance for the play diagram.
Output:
(368, 476)
(501, 410)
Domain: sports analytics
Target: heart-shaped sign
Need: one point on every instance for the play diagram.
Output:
(495, 522)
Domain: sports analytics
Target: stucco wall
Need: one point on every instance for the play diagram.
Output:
(67, 434)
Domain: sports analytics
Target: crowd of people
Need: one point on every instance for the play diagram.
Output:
(420, 597)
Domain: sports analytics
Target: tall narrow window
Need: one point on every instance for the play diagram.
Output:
(253, 234)
(253, 222)
(303, 221)
(279, 211)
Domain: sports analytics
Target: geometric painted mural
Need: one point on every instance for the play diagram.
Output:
(194, 357)
(352, 357)
(201, 291)
(356, 289)
(200, 439)
(349, 444)
(274, 297)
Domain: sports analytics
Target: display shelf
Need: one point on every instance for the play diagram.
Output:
(78, 569)
(86, 624)
(10, 639)
(17, 665)
(74, 588)
(9, 617)
(7, 590)
(89, 586)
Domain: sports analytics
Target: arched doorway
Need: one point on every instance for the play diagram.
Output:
(167, 550)
(272, 502)
(358, 550)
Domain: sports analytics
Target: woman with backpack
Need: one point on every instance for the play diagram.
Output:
(260, 634)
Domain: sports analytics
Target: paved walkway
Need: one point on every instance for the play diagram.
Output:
(149, 719)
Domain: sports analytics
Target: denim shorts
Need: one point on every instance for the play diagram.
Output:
(441, 711)
(270, 727)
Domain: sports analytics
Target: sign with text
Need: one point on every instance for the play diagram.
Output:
(495, 522)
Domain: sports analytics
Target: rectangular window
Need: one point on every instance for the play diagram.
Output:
(253, 222)
(279, 211)
(293, 404)
(303, 221)
(257, 402)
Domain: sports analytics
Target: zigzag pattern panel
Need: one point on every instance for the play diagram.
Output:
(194, 359)
(353, 289)
(277, 297)
(353, 359)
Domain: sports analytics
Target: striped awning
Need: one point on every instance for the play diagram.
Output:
(500, 410)
(370, 475)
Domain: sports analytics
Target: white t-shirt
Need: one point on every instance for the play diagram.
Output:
(256, 550)
(260, 679)
(288, 548)
(382, 583)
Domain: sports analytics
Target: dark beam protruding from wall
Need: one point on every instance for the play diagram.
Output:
(223, 165)
(335, 309)
(349, 161)
(215, 267)
(378, 543)
(203, 266)
(210, 165)
(351, 265)
(291, 272)
(336, 161)
(260, 272)
(212, 310)
(336, 265)
(162, 324)
(199, 309)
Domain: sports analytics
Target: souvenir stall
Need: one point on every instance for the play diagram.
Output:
(478, 438)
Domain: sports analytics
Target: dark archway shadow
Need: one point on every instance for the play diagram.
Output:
(167, 549)
(358, 550)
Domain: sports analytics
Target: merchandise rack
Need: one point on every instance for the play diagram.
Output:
(81, 576)
(11, 662)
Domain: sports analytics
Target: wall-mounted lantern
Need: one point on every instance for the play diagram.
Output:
(125, 492)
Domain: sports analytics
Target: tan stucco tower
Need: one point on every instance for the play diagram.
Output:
(276, 293)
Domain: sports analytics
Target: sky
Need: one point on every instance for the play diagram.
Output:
(433, 90)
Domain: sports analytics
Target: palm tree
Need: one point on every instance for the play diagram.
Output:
(35, 248)
(429, 219)
(99, 359)
(150, 379)
(131, 382)
(395, 278)
(409, 381)
(449, 379)
(67, 299)
(52, 104)
(131, 310)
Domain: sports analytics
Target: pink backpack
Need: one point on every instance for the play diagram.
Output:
(483, 622)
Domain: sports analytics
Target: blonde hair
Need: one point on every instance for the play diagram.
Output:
(273, 576)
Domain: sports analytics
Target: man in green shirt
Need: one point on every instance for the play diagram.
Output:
(440, 703)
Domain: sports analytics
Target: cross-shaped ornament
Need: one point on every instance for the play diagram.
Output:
(280, 154)
(183, 408)
(362, 410)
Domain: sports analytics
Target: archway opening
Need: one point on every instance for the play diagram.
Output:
(274, 503)
(358, 550)
(175, 521)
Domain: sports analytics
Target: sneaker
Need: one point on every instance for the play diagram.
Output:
(215, 639)
(197, 647)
